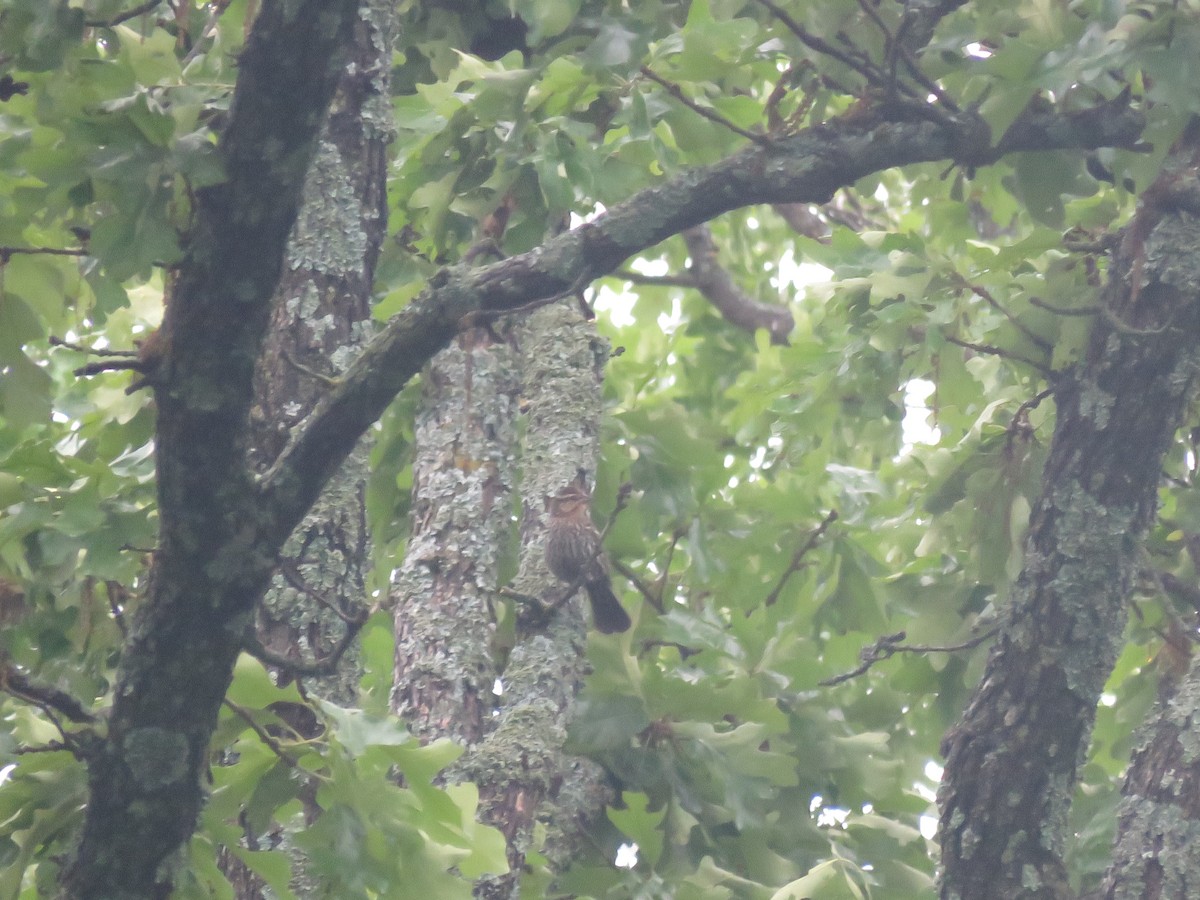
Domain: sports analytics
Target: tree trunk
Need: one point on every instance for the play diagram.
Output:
(320, 319)
(1012, 759)
(145, 774)
(524, 776)
(463, 472)
(1156, 855)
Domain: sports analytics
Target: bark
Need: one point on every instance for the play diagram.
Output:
(221, 527)
(145, 774)
(1156, 854)
(522, 773)
(1013, 758)
(320, 318)
(463, 473)
(806, 167)
(719, 288)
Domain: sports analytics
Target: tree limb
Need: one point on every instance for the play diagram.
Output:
(719, 289)
(145, 778)
(804, 168)
(1013, 759)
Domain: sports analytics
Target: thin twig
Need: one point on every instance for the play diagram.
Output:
(327, 380)
(1020, 420)
(91, 351)
(980, 291)
(140, 10)
(664, 579)
(291, 574)
(1178, 626)
(642, 588)
(889, 41)
(782, 89)
(300, 668)
(988, 349)
(713, 116)
(113, 590)
(215, 12)
(482, 318)
(810, 40)
(1065, 311)
(889, 644)
(685, 281)
(52, 747)
(47, 699)
(798, 557)
(263, 735)
(6, 252)
(1103, 244)
(924, 80)
(624, 492)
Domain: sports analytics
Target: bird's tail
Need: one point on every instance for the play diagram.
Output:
(607, 612)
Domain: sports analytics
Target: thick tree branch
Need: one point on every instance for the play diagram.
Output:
(1155, 853)
(146, 777)
(806, 167)
(719, 288)
(43, 696)
(1012, 760)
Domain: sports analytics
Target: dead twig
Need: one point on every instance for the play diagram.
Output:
(1046, 372)
(1063, 310)
(712, 115)
(48, 699)
(889, 645)
(263, 735)
(139, 10)
(980, 291)
(797, 559)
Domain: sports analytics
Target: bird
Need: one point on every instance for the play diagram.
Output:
(574, 555)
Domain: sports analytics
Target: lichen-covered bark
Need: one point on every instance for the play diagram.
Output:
(145, 774)
(1156, 855)
(463, 472)
(805, 167)
(1012, 759)
(321, 318)
(520, 767)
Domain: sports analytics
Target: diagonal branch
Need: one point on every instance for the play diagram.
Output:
(806, 167)
(43, 696)
(1013, 759)
(719, 289)
(146, 779)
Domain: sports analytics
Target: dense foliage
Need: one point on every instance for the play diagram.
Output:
(792, 502)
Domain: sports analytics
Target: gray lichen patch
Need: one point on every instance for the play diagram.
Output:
(156, 757)
(321, 239)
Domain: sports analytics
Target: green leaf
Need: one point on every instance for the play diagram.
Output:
(640, 825)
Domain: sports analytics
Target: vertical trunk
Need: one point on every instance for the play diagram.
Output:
(1156, 855)
(320, 318)
(463, 473)
(146, 773)
(523, 775)
(1012, 759)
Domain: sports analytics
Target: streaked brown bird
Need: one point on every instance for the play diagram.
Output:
(574, 554)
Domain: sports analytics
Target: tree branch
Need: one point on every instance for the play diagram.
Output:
(146, 777)
(803, 168)
(719, 289)
(677, 92)
(889, 645)
(139, 10)
(43, 696)
(1013, 759)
